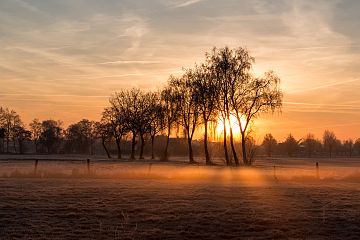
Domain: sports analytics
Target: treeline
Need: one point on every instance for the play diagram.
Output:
(220, 88)
(309, 146)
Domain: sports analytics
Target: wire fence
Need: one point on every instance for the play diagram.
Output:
(95, 168)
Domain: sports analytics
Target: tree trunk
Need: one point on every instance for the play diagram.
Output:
(207, 155)
(36, 147)
(243, 148)
(225, 146)
(236, 159)
(152, 147)
(191, 154)
(133, 143)
(105, 148)
(142, 146)
(165, 157)
(118, 145)
(21, 147)
(7, 144)
(14, 144)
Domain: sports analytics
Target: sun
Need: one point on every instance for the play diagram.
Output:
(234, 124)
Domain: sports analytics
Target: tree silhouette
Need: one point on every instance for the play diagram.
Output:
(10, 121)
(171, 112)
(114, 118)
(357, 146)
(51, 135)
(36, 129)
(269, 143)
(184, 95)
(206, 88)
(262, 95)
(103, 130)
(330, 141)
(156, 119)
(218, 59)
(349, 146)
(291, 145)
(80, 137)
(311, 144)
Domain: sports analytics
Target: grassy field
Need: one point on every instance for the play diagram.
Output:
(64, 200)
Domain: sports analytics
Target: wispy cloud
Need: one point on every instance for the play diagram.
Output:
(187, 3)
(326, 85)
(131, 62)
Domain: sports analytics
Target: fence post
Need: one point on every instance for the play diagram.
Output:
(88, 165)
(275, 172)
(36, 166)
(317, 171)
(149, 170)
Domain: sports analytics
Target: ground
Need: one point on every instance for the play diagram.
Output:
(111, 200)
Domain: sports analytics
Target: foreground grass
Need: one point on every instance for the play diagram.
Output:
(87, 208)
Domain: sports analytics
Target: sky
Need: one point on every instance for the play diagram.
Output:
(63, 59)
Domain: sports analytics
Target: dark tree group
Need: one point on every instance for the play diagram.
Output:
(309, 146)
(219, 88)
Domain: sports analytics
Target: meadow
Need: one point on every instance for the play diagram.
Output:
(64, 198)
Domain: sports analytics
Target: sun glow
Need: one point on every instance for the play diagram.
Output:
(233, 123)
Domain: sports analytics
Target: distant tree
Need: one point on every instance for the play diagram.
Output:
(80, 137)
(311, 144)
(206, 88)
(171, 112)
(330, 142)
(188, 108)
(115, 118)
(51, 135)
(357, 146)
(269, 143)
(291, 145)
(9, 120)
(156, 119)
(127, 103)
(349, 147)
(147, 104)
(20, 134)
(2, 136)
(103, 130)
(251, 149)
(36, 129)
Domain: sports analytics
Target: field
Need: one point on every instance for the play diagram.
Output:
(64, 199)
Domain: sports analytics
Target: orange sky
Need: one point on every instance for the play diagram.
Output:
(62, 59)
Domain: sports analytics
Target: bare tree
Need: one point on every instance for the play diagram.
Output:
(171, 112)
(219, 63)
(357, 146)
(310, 144)
(104, 131)
(269, 143)
(51, 135)
(349, 146)
(259, 95)
(156, 120)
(187, 106)
(126, 102)
(79, 137)
(20, 134)
(36, 129)
(115, 119)
(206, 88)
(9, 121)
(330, 141)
